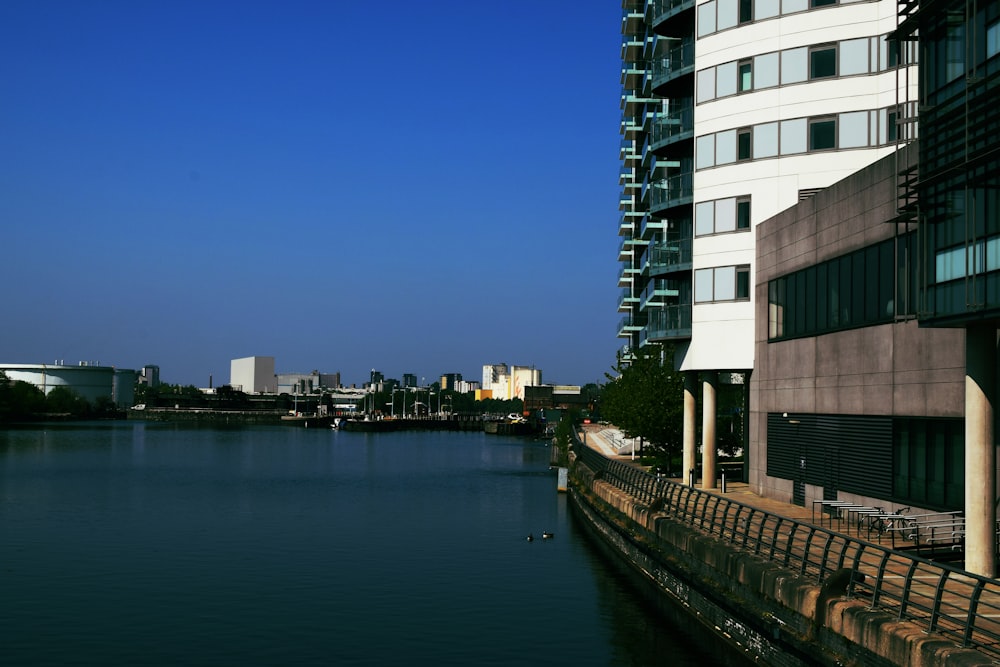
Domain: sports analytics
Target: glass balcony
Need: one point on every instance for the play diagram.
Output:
(658, 293)
(668, 323)
(670, 191)
(626, 300)
(634, 74)
(670, 256)
(675, 62)
(664, 9)
(668, 128)
(625, 276)
(630, 324)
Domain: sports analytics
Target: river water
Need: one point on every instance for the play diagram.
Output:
(132, 543)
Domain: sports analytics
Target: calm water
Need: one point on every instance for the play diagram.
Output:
(147, 544)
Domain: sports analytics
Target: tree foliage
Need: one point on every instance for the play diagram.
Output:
(646, 399)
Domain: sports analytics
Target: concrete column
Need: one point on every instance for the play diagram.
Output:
(708, 447)
(980, 450)
(690, 417)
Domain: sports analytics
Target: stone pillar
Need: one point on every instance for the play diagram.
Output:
(690, 417)
(980, 450)
(709, 383)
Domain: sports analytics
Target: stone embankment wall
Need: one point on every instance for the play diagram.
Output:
(765, 613)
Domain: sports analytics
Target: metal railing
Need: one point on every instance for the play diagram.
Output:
(940, 598)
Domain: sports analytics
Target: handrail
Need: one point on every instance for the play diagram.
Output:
(943, 599)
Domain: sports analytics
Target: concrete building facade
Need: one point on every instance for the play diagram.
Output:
(253, 375)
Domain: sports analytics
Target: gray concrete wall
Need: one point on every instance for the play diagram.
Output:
(894, 369)
(770, 615)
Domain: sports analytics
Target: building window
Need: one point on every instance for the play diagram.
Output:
(821, 3)
(743, 213)
(722, 216)
(993, 39)
(929, 462)
(746, 11)
(743, 143)
(722, 283)
(822, 62)
(822, 134)
(745, 74)
(849, 291)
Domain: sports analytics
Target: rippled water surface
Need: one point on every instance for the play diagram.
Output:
(130, 543)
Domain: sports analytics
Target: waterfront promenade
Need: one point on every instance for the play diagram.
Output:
(922, 605)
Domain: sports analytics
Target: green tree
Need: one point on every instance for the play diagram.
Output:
(19, 400)
(65, 401)
(646, 400)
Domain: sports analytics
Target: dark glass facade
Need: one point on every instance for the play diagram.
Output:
(959, 185)
(873, 285)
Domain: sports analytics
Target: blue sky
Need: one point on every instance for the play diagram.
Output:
(425, 187)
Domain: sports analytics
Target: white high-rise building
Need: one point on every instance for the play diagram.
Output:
(734, 110)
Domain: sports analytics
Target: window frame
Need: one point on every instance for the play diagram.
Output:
(834, 50)
(814, 122)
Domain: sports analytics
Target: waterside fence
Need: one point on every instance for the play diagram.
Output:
(937, 597)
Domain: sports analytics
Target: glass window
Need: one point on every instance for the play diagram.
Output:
(853, 129)
(955, 48)
(745, 76)
(704, 218)
(854, 57)
(743, 282)
(725, 79)
(706, 85)
(705, 152)
(703, 288)
(743, 138)
(792, 6)
(765, 9)
(821, 3)
(822, 134)
(725, 147)
(706, 18)
(725, 215)
(822, 62)
(765, 69)
(746, 11)
(794, 65)
(728, 14)
(793, 136)
(725, 283)
(993, 39)
(743, 217)
(765, 140)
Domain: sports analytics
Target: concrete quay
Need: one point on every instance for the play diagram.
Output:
(775, 581)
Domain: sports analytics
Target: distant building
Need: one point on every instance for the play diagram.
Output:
(466, 387)
(409, 380)
(88, 380)
(149, 376)
(547, 397)
(509, 383)
(449, 380)
(299, 383)
(376, 377)
(253, 375)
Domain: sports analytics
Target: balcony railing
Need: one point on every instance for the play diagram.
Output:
(629, 324)
(670, 191)
(663, 8)
(669, 256)
(670, 322)
(672, 127)
(678, 60)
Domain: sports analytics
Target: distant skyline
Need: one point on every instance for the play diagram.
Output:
(425, 188)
